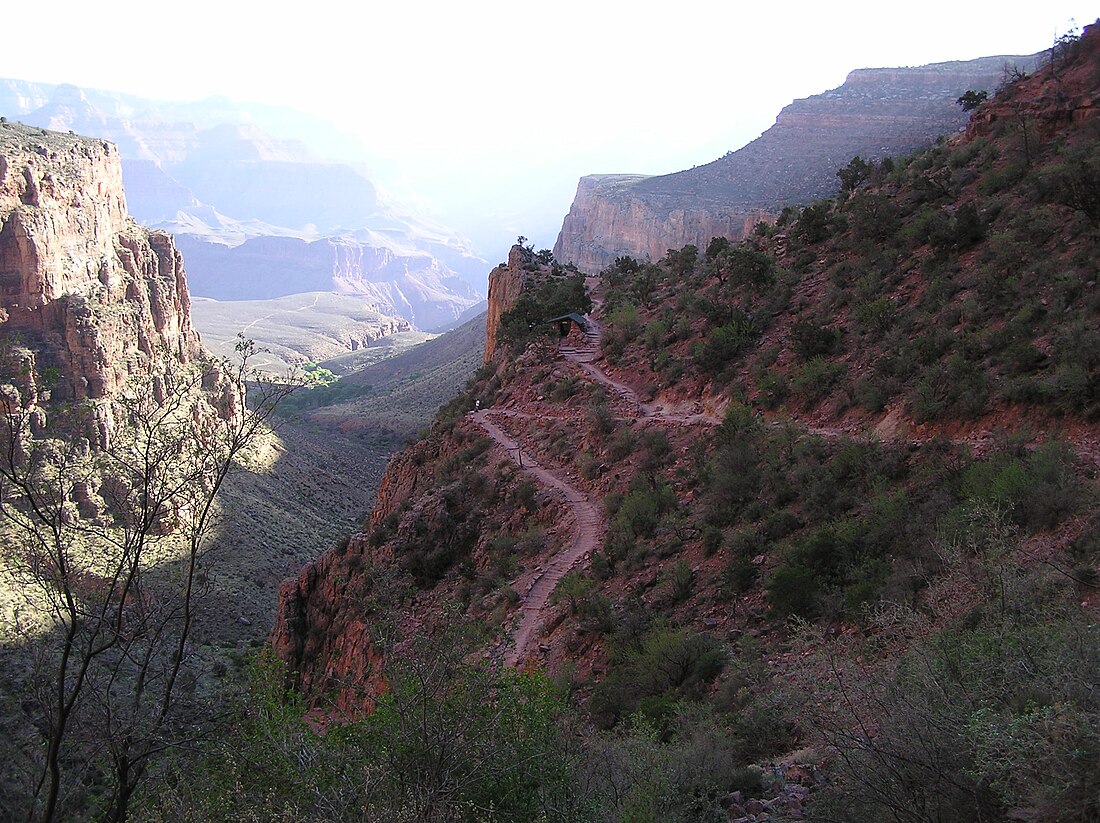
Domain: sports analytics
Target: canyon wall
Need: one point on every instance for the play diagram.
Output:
(876, 113)
(93, 296)
(610, 219)
(414, 286)
(506, 281)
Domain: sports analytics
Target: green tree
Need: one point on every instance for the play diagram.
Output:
(812, 225)
(970, 99)
(682, 262)
(855, 174)
(529, 318)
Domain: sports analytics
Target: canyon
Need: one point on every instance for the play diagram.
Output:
(727, 514)
(262, 216)
(876, 113)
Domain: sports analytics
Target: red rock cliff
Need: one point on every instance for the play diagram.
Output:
(82, 286)
(1060, 95)
(506, 282)
(875, 113)
(323, 628)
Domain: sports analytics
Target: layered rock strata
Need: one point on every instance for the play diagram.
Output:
(506, 282)
(88, 294)
(876, 113)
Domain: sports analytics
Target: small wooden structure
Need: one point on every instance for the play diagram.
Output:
(569, 323)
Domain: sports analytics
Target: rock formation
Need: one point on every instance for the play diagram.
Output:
(413, 286)
(506, 282)
(261, 216)
(91, 294)
(1060, 98)
(319, 631)
(876, 113)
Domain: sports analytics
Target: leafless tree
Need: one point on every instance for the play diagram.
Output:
(108, 510)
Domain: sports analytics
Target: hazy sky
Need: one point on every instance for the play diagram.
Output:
(457, 92)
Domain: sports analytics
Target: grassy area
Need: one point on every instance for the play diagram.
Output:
(397, 396)
(297, 328)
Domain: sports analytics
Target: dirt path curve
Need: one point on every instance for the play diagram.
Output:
(583, 356)
(590, 522)
(589, 527)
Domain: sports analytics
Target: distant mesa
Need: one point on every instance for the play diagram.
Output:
(258, 213)
(876, 113)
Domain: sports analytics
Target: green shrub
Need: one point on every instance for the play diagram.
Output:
(811, 339)
(682, 581)
(874, 317)
(723, 345)
(813, 224)
(816, 379)
(712, 540)
(992, 723)
(1039, 491)
(773, 388)
(793, 590)
(739, 575)
(665, 663)
(529, 318)
(642, 509)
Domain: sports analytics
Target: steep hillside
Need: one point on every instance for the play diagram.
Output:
(390, 401)
(809, 520)
(876, 113)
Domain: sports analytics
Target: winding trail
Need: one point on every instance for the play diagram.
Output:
(589, 520)
(588, 527)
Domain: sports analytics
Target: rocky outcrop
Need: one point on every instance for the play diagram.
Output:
(1060, 97)
(322, 641)
(506, 283)
(321, 629)
(89, 292)
(876, 113)
(260, 216)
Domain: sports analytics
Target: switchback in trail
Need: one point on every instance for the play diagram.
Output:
(589, 521)
(589, 525)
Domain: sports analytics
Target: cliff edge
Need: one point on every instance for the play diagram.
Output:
(876, 113)
(93, 296)
(506, 282)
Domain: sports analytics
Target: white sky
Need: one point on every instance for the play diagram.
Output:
(454, 92)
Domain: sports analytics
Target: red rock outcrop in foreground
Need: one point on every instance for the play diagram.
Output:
(321, 630)
(1060, 97)
(86, 290)
(505, 284)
